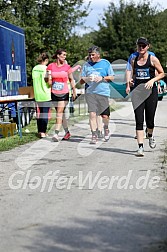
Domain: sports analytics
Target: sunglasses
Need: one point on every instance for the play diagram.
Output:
(142, 45)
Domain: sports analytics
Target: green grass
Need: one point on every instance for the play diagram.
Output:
(14, 141)
(9, 143)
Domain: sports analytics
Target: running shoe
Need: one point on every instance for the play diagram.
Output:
(106, 135)
(42, 135)
(94, 139)
(66, 136)
(152, 142)
(55, 138)
(140, 152)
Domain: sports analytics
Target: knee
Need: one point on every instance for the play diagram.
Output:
(92, 114)
(139, 126)
(104, 116)
(150, 125)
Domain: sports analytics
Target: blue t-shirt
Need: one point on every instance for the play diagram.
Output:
(133, 55)
(100, 68)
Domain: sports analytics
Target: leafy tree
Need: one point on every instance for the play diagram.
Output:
(48, 24)
(122, 25)
(158, 38)
(57, 21)
(51, 24)
(23, 14)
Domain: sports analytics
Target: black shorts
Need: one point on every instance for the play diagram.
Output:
(62, 97)
(98, 104)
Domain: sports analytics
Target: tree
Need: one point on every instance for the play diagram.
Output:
(122, 25)
(48, 24)
(158, 39)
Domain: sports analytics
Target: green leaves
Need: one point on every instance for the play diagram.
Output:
(48, 25)
(122, 25)
(51, 24)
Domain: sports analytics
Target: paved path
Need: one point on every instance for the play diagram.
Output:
(118, 213)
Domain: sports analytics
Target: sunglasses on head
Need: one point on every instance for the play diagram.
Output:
(142, 45)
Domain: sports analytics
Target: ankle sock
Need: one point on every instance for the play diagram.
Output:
(105, 127)
(141, 145)
(66, 130)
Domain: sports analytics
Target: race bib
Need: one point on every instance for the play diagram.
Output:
(57, 86)
(142, 74)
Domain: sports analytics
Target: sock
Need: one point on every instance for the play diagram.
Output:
(66, 130)
(141, 145)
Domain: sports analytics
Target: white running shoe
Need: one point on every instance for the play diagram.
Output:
(152, 142)
(94, 139)
(55, 138)
(140, 152)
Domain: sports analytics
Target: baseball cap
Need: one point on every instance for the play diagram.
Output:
(94, 49)
(142, 40)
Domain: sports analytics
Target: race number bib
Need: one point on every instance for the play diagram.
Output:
(58, 86)
(142, 74)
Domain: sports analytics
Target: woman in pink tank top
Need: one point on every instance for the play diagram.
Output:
(59, 73)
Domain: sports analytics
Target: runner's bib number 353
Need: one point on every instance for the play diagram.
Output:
(57, 86)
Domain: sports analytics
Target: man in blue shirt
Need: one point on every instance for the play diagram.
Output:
(97, 73)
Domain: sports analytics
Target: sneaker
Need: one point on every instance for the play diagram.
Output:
(152, 142)
(94, 139)
(55, 138)
(140, 152)
(99, 134)
(106, 135)
(42, 135)
(66, 136)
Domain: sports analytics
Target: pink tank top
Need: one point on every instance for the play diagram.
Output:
(59, 78)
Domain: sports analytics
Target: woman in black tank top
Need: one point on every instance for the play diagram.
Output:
(147, 70)
(143, 73)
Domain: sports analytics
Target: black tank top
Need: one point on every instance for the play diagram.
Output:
(143, 73)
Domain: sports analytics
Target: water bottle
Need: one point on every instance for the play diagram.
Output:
(92, 77)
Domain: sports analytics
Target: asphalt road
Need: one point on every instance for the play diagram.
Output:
(72, 196)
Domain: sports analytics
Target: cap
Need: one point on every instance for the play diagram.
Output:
(142, 40)
(94, 49)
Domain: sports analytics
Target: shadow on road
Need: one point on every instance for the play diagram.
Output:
(125, 226)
